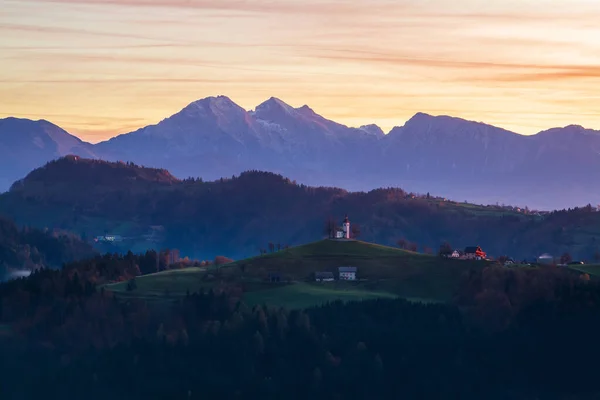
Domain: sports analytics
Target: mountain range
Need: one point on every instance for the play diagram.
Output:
(214, 137)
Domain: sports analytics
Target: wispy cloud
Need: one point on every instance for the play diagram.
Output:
(256, 6)
(524, 64)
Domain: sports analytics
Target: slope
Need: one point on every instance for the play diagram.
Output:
(382, 272)
(27, 144)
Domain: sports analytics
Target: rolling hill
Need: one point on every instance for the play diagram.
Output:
(238, 217)
(382, 272)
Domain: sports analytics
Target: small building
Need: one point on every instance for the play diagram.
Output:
(455, 254)
(347, 273)
(546, 259)
(474, 253)
(274, 277)
(324, 277)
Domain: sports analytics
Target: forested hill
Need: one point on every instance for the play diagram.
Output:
(29, 248)
(239, 216)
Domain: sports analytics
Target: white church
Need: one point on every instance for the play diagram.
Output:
(344, 231)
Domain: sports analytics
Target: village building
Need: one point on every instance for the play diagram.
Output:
(475, 253)
(324, 277)
(109, 238)
(347, 273)
(455, 254)
(546, 259)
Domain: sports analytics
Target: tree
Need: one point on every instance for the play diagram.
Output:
(220, 260)
(355, 230)
(427, 250)
(566, 258)
(330, 228)
(445, 250)
(402, 243)
(271, 247)
(412, 247)
(131, 285)
(502, 259)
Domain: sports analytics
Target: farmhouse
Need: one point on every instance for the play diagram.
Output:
(474, 253)
(455, 254)
(324, 276)
(347, 273)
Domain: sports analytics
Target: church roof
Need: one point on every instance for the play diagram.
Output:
(346, 219)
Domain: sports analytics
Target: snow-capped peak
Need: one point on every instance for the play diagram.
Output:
(274, 104)
(372, 129)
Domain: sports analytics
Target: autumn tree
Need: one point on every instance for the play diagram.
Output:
(566, 258)
(502, 259)
(220, 260)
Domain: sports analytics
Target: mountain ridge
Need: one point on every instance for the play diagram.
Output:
(214, 137)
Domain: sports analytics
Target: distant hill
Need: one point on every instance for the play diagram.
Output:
(462, 160)
(23, 250)
(238, 217)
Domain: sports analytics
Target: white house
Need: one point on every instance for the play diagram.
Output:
(347, 273)
(455, 254)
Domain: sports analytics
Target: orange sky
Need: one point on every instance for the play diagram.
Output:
(103, 67)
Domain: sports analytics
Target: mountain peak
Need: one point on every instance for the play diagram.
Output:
(273, 104)
(373, 129)
(220, 107)
(215, 102)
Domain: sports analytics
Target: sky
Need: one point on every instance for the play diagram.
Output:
(99, 68)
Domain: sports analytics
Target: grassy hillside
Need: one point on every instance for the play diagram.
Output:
(591, 269)
(382, 272)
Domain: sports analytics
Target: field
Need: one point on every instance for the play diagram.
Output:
(591, 269)
(166, 284)
(382, 272)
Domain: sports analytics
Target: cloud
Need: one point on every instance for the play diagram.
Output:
(560, 73)
(254, 6)
(121, 81)
(28, 28)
